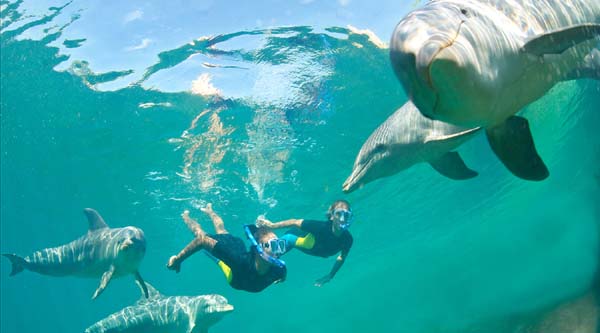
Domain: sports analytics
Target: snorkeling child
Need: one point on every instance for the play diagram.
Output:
(319, 238)
(251, 270)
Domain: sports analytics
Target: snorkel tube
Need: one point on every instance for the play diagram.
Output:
(273, 261)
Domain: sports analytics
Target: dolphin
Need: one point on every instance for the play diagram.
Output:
(479, 62)
(102, 252)
(160, 314)
(407, 138)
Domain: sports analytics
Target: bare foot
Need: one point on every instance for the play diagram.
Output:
(185, 214)
(173, 264)
(207, 209)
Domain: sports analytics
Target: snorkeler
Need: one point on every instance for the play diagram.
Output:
(252, 270)
(319, 238)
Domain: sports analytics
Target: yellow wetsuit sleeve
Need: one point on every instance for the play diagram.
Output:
(306, 242)
(226, 270)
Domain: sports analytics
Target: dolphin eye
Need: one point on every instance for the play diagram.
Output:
(380, 148)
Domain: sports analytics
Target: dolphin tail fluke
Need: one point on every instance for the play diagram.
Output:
(513, 143)
(452, 166)
(18, 263)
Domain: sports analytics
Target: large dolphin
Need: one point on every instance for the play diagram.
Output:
(478, 62)
(407, 138)
(160, 314)
(101, 252)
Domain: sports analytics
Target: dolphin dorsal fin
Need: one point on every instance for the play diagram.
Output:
(153, 294)
(94, 219)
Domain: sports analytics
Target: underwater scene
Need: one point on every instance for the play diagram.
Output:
(117, 117)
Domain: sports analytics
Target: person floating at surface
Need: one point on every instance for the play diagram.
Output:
(250, 270)
(319, 238)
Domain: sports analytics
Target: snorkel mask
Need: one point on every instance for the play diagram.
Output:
(344, 216)
(273, 243)
(277, 246)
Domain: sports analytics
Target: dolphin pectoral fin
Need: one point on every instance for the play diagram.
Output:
(148, 291)
(104, 281)
(452, 166)
(199, 329)
(513, 144)
(557, 41)
(142, 284)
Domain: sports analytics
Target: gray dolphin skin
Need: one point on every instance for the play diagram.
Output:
(102, 252)
(160, 314)
(580, 315)
(478, 62)
(407, 138)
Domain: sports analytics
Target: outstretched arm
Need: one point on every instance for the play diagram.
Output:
(262, 222)
(339, 261)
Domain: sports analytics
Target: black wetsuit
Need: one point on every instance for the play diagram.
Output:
(326, 242)
(232, 251)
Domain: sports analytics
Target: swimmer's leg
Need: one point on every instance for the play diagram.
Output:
(224, 267)
(192, 224)
(200, 242)
(215, 218)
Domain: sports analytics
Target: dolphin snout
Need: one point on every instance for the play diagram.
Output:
(132, 243)
(354, 181)
(126, 243)
(430, 49)
(224, 308)
(349, 185)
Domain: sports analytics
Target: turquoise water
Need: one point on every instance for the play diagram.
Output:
(268, 121)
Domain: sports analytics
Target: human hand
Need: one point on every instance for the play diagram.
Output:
(320, 282)
(262, 222)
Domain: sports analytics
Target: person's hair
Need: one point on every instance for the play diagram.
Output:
(335, 204)
(261, 232)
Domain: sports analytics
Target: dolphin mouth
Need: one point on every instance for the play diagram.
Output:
(132, 242)
(225, 308)
(354, 180)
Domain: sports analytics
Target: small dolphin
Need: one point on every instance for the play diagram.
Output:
(101, 252)
(160, 314)
(407, 138)
(479, 62)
